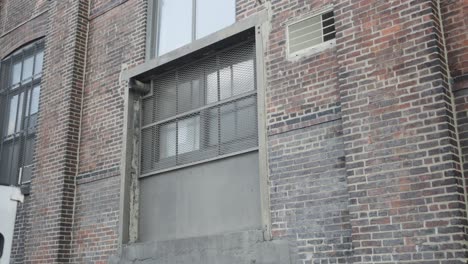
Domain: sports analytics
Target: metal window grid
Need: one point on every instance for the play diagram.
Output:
(201, 111)
(17, 143)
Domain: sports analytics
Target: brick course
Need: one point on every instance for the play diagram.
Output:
(363, 137)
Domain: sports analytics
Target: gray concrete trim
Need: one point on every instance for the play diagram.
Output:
(151, 26)
(153, 173)
(204, 42)
(229, 248)
(260, 34)
(125, 169)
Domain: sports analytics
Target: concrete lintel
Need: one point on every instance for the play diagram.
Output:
(142, 71)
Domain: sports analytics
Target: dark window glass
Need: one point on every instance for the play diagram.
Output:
(23, 70)
(203, 110)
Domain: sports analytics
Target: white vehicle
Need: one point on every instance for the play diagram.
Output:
(9, 198)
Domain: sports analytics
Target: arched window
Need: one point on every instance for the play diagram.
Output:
(20, 85)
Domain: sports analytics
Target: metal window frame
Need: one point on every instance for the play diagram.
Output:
(199, 110)
(153, 27)
(314, 48)
(130, 159)
(23, 88)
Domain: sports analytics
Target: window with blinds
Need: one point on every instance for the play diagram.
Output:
(310, 32)
(201, 111)
(19, 104)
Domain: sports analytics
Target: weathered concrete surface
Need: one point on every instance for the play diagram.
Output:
(202, 200)
(246, 247)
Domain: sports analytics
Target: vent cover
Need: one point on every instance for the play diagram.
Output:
(310, 32)
(201, 111)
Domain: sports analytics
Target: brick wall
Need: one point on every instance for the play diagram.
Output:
(16, 12)
(52, 184)
(362, 147)
(116, 39)
(29, 27)
(406, 196)
(309, 197)
(308, 193)
(455, 21)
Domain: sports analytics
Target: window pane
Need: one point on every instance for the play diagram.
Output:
(5, 164)
(212, 88)
(213, 127)
(16, 73)
(28, 67)
(12, 116)
(166, 97)
(189, 135)
(244, 80)
(28, 159)
(175, 29)
(167, 140)
(38, 63)
(35, 100)
(225, 82)
(228, 123)
(246, 118)
(19, 117)
(213, 15)
(189, 96)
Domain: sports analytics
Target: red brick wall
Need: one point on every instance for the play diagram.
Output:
(16, 12)
(404, 180)
(362, 151)
(29, 27)
(52, 186)
(116, 38)
(455, 21)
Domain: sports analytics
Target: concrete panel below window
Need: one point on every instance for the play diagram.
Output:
(246, 247)
(212, 198)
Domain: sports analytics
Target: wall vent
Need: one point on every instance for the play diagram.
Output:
(310, 32)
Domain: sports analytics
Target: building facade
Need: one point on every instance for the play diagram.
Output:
(235, 131)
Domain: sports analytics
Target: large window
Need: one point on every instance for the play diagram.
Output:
(19, 104)
(201, 111)
(181, 21)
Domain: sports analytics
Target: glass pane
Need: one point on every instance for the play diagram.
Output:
(225, 82)
(16, 73)
(175, 25)
(28, 159)
(228, 123)
(35, 100)
(213, 127)
(213, 15)
(5, 164)
(244, 80)
(12, 115)
(19, 117)
(167, 140)
(189, 135)
(246, 118)
(39, 62)
(212, 88)
(189, 96)
(28, 67)
(166, 97)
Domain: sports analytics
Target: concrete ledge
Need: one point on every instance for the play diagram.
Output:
(246, 247)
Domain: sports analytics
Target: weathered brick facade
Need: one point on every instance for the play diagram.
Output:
(367, 140)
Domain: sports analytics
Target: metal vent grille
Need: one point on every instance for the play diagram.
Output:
(311, 31)
(201, 111)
